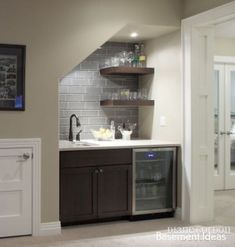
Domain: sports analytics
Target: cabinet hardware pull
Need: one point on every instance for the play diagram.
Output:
(101, 170)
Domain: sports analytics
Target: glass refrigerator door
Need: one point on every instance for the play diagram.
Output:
(153, 185)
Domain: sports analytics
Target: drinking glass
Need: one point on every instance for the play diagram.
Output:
(124, 94)
(123, 58)
(114, 96)
(115, 61)
(144, 93)
(107, 62)
(130, 59)
(135, 95)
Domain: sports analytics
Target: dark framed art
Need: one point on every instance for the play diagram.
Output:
(12, 77)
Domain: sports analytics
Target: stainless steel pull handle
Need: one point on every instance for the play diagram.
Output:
(26, 156)
(98, 170)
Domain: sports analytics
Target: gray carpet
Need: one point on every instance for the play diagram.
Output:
(225, 208)
(146, 240)
(125, 233)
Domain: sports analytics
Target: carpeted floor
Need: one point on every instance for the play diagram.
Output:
(143, 240)
(225, 208)
(128, 234)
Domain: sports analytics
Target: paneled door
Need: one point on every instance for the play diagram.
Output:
(230, 127)
(224, 116)
(15, 192)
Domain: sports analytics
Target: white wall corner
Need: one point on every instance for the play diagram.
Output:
(50, 228)
(178, 213)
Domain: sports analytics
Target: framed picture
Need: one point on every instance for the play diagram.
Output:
(12, 77)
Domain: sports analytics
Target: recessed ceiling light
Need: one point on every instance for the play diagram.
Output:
(134, 34)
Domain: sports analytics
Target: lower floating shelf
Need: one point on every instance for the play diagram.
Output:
(126, 103)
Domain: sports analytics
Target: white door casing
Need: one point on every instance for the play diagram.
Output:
(15, 192)
(198, 140)
(202, 123)
(33, 145)
(198, 147)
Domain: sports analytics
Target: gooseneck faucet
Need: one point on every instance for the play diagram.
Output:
(71, 127)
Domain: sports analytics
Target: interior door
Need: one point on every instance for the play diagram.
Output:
(15, 192)
(219, 140)
(230, 127)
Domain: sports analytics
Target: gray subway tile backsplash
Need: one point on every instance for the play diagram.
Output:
(74, 97)
(82, 89)
(76, 89)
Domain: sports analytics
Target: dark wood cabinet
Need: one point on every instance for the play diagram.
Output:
(114, 191)
(92, 191)
(78, 194)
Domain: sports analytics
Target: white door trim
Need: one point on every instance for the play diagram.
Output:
(224, 59)
(197, 85)
(35, 145)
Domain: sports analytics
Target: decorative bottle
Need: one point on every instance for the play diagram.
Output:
(112, 129)
(142, 56)
(135, 62)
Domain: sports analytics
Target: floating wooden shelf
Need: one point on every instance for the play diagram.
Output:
(126, 71)
(126, 103)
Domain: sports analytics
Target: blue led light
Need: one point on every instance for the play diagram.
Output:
(150, 155)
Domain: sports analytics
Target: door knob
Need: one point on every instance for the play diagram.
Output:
(222, 132)
(26, 156)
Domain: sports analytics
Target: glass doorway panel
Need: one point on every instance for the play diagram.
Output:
(216, 121)
(232, 122)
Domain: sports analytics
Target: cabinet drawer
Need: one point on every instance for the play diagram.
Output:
(95, 157)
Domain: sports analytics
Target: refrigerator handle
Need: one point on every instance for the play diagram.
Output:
(174, 191)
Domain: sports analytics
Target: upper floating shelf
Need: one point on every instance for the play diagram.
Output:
(126, 103)
(126, 71)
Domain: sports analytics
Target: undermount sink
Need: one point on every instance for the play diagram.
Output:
(82, 144)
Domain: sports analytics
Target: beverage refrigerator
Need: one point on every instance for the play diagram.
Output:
(154, 180)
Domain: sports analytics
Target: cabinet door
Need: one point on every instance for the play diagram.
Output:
(114, 191)
(78, 194)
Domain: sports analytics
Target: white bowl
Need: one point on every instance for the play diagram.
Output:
(101, 136)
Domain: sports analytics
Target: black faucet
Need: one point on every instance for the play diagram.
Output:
(71, 127)
(78, 135)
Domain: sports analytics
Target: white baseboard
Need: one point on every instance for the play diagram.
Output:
(50, 228)
(178, 213)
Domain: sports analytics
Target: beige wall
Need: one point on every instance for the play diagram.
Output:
(165, 88)
(58, 35)
(193, 7)
(225, 47)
